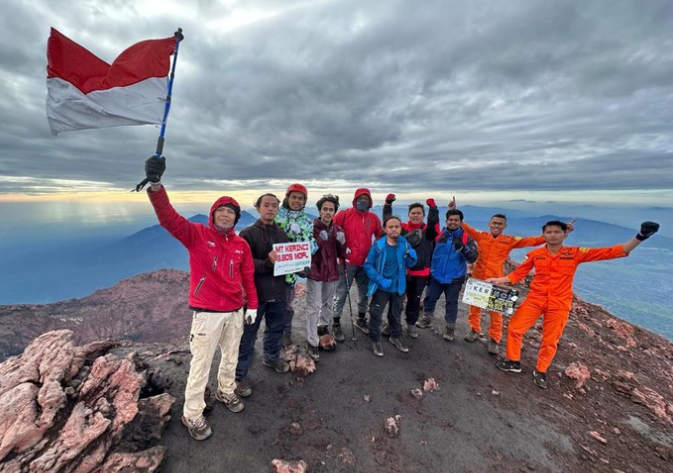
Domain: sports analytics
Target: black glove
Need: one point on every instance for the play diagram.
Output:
(304, 273)
(647, 229)
(154, 169)
(458, 243)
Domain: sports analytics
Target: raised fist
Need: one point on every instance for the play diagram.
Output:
(647, 229)
(390, 198)
(154, 169)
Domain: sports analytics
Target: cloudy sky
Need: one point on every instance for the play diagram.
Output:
(484, 98)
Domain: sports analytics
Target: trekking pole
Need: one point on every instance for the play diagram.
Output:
(350, 305)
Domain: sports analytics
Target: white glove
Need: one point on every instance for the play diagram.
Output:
(324, 236)
(348, 251)
(250, 316)
(341, 238)
(294, 228)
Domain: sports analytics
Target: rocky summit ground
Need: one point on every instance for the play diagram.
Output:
(609, 406)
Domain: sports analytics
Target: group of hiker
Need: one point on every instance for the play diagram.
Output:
(233, 286)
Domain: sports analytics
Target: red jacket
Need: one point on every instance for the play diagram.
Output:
(220, 265)
(360, 229)
(324, 264)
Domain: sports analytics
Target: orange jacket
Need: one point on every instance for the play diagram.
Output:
(494, 251)
(553, 281)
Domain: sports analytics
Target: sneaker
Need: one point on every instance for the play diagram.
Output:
(474, 336)
(424, 322)
(279, 365)
(232, 401)
(361, 323)
(198, 428)
(509, 365)
(377, 348)
(397, 343)
(243, 388)
(493, 347)
(410, 329)
(338, 333)
(387, 331)
(540, 379)
(449, 334)
(313, 352)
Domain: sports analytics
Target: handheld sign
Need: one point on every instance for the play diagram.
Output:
(490, 297)
(292, 257)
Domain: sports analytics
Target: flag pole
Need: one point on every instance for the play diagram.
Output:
(160, 141)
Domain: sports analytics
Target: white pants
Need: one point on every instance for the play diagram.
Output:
(210, 330)
(318, 307)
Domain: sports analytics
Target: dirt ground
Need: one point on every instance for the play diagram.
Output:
(480, 420)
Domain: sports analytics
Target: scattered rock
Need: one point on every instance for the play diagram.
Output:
(495, 393)
(578, 372)
(301, 365)
(346, 456)
(282, 466)
(430, 385)
(392, 426)
(327, 342)
(597, 436)
(102, 413)
(416, 393)
(295, 428)
(366, 398)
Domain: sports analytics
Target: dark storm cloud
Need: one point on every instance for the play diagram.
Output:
(494, 95)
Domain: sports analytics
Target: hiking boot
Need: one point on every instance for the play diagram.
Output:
(493, 347)
(338, 333)
(243, 388)
(424, 322)
(361, 323)
(232, 401)
(410, 329)
(387, 331)
(449, 334)
(198, 428)
(279, 365)
(397, 343)
(377, 348)
(313, 352)
(540, 379)
(474, 336)
(509, 365)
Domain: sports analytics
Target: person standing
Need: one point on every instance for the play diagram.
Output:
(299, 228)
(360, 227)
(386, 268)
(271, 291)
(453, 250)
(324, 275)
(494, 249)
(221, 268)
(551, 292)
(421, 237)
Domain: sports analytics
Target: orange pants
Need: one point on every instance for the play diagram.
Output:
(524, 318)
(494, 330)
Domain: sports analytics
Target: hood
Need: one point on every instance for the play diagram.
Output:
(224, 200)
(363, 191)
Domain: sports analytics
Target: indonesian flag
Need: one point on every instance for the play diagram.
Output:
(83, 91)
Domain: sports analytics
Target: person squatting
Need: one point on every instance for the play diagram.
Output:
(233, 285)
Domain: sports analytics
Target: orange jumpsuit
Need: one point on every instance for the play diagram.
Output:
(492, 255)
(551, 294)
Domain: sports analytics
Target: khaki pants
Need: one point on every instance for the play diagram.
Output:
(210, 330)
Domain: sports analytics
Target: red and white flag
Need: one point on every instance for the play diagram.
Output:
(86, 92)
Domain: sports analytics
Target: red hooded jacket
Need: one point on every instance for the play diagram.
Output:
(220, 264)
(360, 227)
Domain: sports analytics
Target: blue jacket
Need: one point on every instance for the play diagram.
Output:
(448, 263)
(376, 260)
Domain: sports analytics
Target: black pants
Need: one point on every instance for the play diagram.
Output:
(415, 286)
(376, 307)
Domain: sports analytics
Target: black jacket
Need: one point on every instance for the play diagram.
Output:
(422, 239)
(261, 238)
